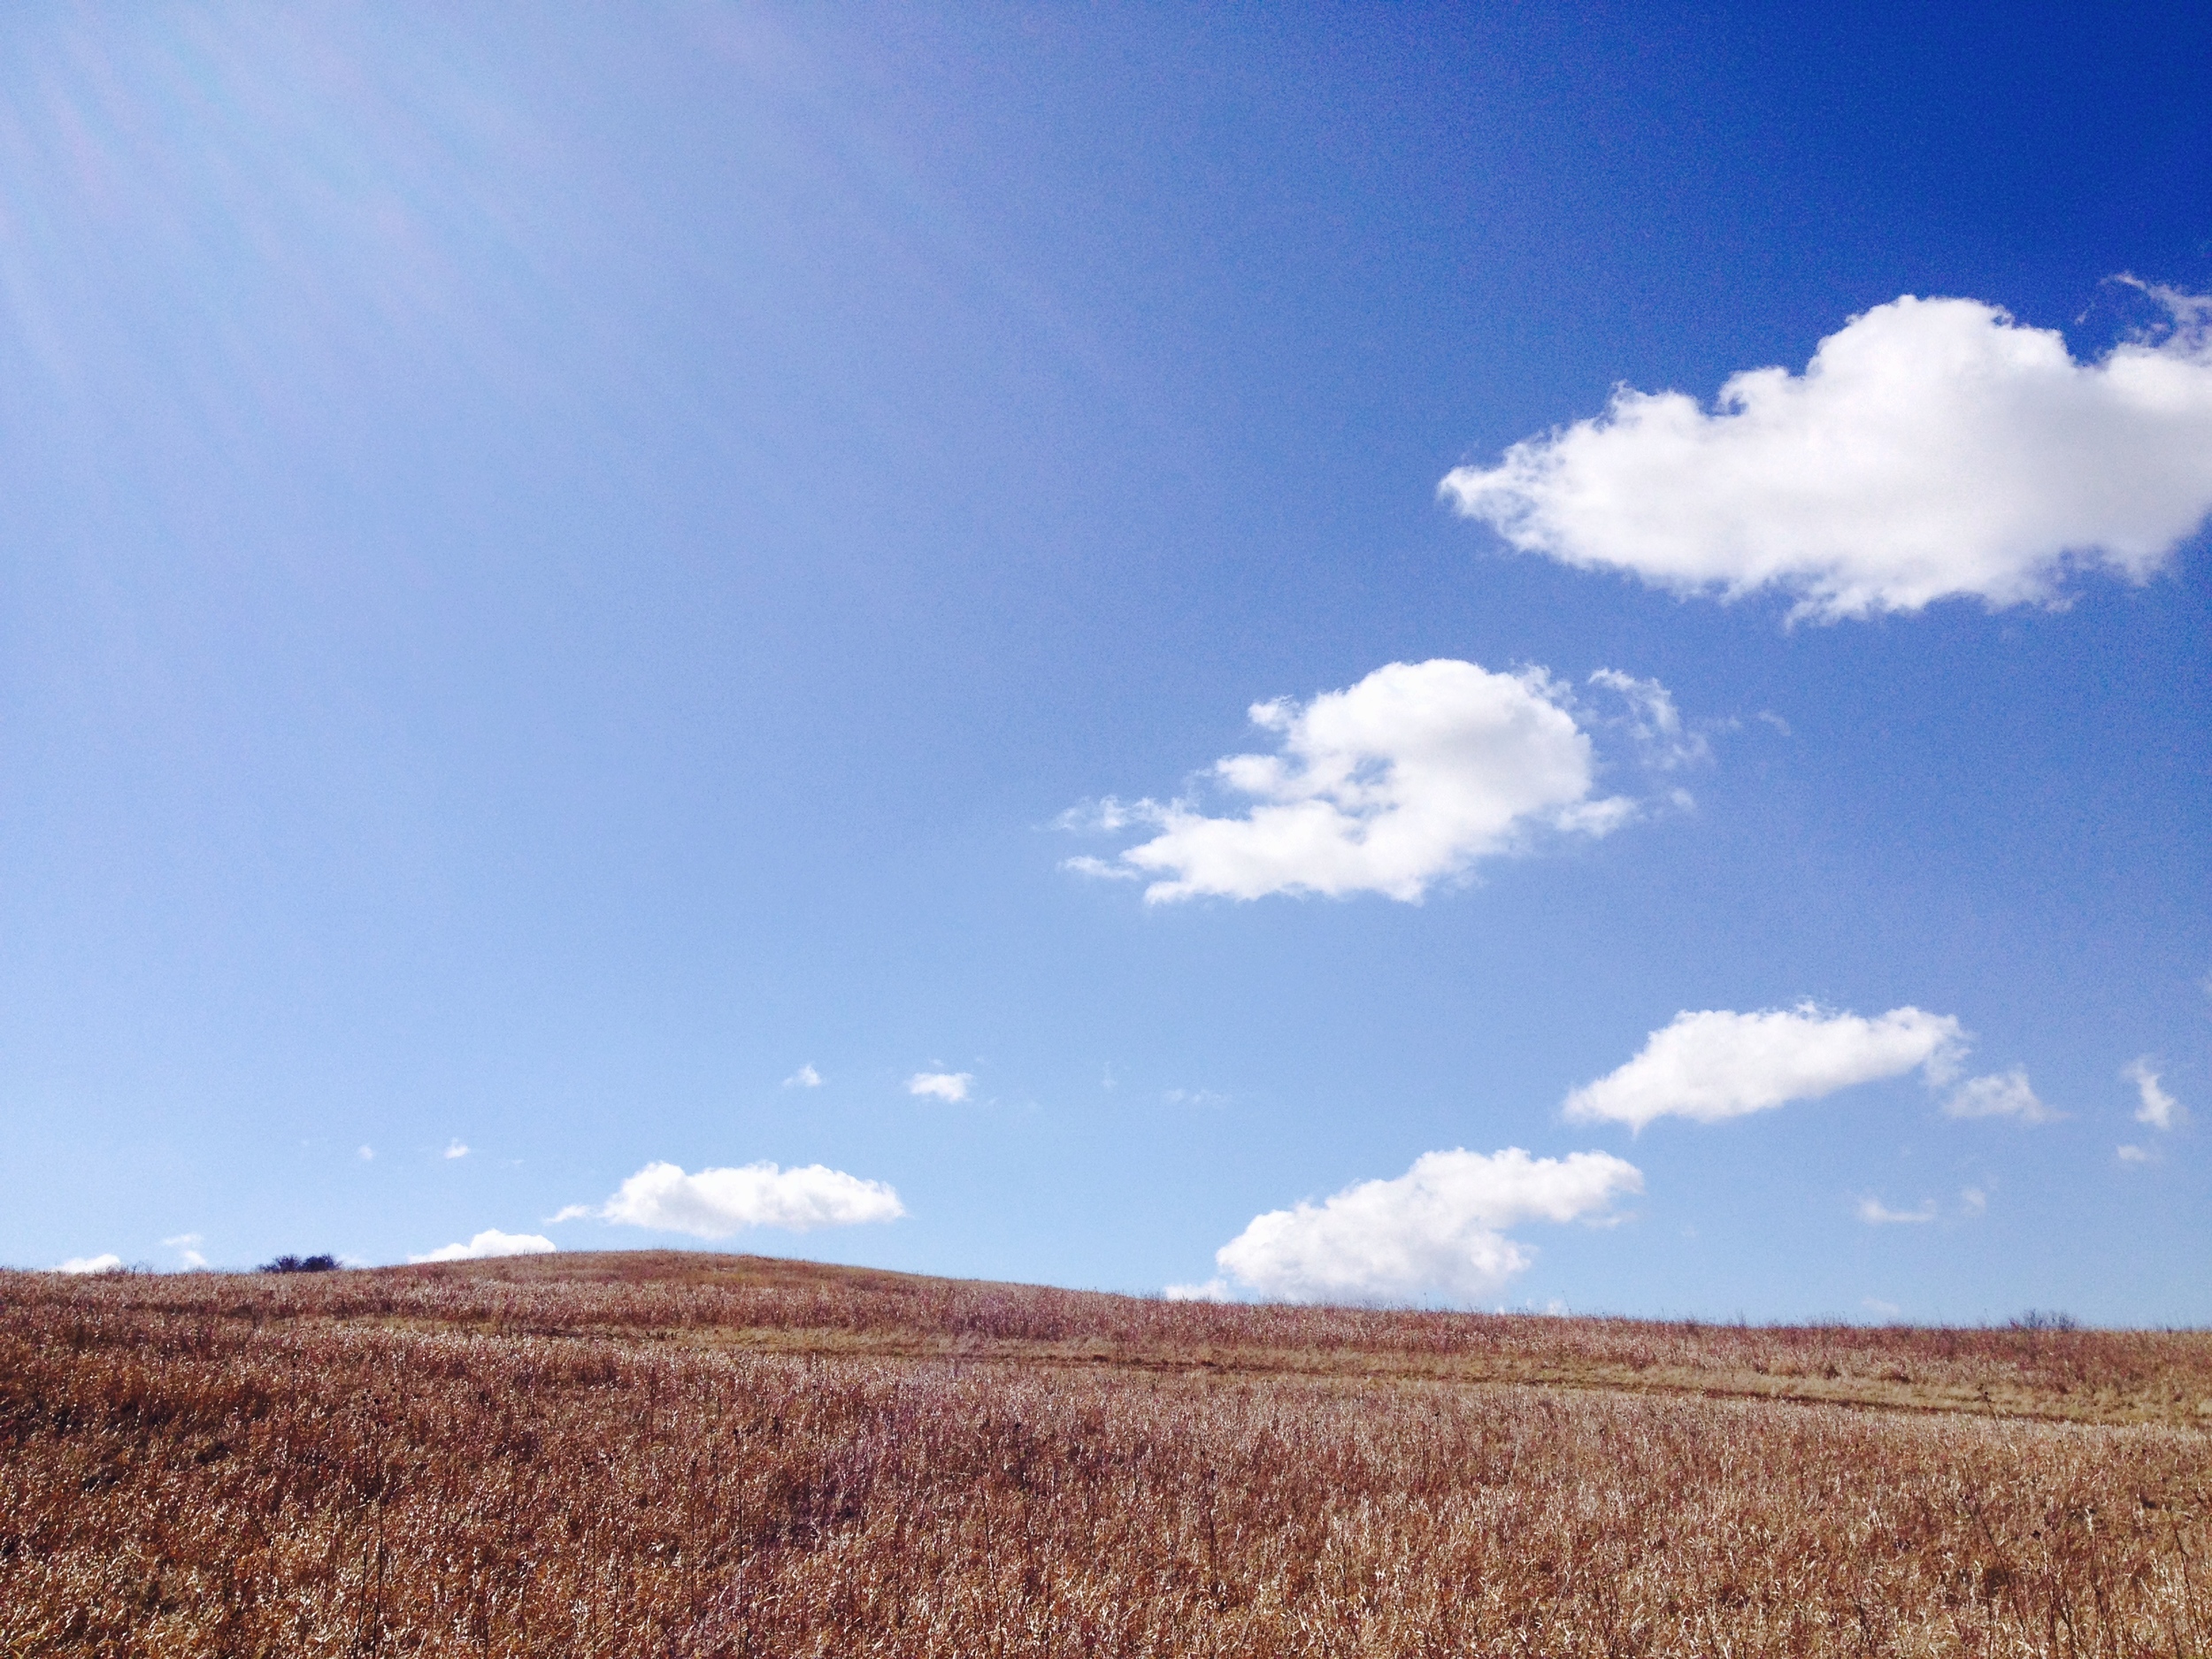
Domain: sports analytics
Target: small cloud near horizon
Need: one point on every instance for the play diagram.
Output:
(715, 1202)
(1436, 1232)
(106, 1263)
(487, 1244)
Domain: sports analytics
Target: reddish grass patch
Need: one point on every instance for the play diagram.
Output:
(676, 1454)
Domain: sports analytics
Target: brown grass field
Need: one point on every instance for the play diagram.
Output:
(683, 1454)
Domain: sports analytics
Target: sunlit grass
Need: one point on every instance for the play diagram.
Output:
(675, 1453)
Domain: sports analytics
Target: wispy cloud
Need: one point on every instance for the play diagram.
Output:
(805, 1076)
(187, 1245)
(2157, 1107)
(2000, 1095)
(1875, 1213)
(1652, 723)
(1932, 449)
(455, 1148)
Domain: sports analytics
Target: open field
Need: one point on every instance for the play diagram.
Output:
(690, 1454)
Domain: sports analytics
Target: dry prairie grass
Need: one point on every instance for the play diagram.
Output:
(681, 1454)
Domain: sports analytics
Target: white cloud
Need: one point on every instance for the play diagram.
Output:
(2137, 1154)
(455, 1148)
(1653, 721)
(1883, 1309)
(110, 1263)
(2000, 1095)
(1715, 1063)
(1389, 786)
(1437, 1232)
(1215, 1289)
(2159, 1109)
(1086, 864)
(490, 1242)
(188, 1248)
(1933, 448)
(715, 1203)
(946, 1086)
(1974, 1201)
(1876, 1214)
(364, 1152)
(1194, 1097)
(805, 1076)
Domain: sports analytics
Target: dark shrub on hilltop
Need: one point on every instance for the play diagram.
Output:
(300, 1264)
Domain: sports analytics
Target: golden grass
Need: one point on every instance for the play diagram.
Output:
(684, 1454)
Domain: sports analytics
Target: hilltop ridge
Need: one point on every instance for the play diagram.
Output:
(781, 1305)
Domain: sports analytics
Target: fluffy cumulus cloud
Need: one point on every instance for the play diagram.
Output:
(106, 1264)
(1389, 786)
(2157, 1107)
(1716, 1063)
(187, 1245)
(2000, 1095)
(715, 1203)
(944, 1085)
(805, 1076)
(1437, 1232)
(1932, 449)
(490, 1242)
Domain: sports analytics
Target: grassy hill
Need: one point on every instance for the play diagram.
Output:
(677, 1452)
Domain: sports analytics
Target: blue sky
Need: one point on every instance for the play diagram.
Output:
(595, 597)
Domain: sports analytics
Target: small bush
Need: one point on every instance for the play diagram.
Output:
(300, 1264)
